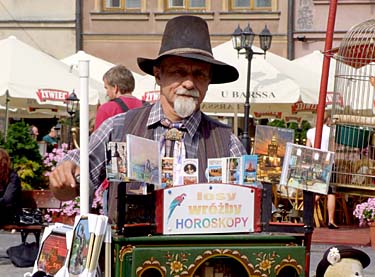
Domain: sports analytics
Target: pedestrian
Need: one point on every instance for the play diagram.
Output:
(183, 69)
(51, 139)
(119, 84)
(10, 190)
(34, 132)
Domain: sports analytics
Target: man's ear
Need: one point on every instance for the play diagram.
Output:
(156, 71)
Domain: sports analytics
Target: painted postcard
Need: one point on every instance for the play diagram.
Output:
(116, 161)
(144, 162)
(216, 170)
(52, 254)
(167, 172)
(233, 167)
(190, 171)
(307, 168)
(249, 164)
(270, 145)
(80, 247)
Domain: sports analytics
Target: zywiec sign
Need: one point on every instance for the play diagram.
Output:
(45, 94)
(277, 115)
(151, 96)
(208, 208)
(299, 106)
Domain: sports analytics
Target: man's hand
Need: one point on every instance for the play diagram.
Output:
(62, 181)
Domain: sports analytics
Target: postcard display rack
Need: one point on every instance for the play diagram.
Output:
(208, 229)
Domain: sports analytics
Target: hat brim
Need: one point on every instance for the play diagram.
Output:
(345, 252)
(221, 72)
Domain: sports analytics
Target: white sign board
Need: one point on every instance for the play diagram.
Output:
(208, 208)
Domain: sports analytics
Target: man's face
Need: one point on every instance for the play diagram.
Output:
(183, 83)
(111, 90)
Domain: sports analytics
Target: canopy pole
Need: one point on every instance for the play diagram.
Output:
(84, 135)
(325, 73)
(6, 123)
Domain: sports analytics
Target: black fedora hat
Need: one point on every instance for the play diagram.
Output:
(334, 255)
(187, 36)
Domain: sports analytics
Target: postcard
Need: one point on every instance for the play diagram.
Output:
(143, 160)
(248, 170)
(270, 145)
(167, 172)
(307, 168)
(53, 253)
(116, 161)
(80, 247)
(190, 171)
(233, 167)
(216, 170)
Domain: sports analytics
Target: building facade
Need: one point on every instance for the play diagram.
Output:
(49, 26)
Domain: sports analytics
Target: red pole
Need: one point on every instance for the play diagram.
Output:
(322, 104)
(325, 73)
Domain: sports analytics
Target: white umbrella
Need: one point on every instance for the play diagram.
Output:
(97, 69)
(34, 79)
(270, 89)
(312, 64)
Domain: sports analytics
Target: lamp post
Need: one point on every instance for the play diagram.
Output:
(244, 40)
(71, 107)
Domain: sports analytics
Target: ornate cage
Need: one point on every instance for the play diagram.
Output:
(353, 111)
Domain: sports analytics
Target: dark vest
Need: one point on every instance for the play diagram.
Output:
(214, 137)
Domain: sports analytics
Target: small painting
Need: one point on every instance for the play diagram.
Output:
(80, 247)
(52, 254)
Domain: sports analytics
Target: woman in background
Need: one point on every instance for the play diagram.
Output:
(10, 189)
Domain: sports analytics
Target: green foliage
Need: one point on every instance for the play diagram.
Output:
(25, 155)
(299, 130)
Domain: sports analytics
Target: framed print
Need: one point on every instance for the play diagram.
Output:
(79, 248)
(52, 254)
(307, 168)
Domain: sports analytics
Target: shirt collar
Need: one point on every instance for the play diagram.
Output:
(191, 123)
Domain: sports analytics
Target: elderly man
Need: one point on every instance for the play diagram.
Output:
(183, 69)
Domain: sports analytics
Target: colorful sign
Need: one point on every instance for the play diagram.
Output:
(209, 208)
(45, 94)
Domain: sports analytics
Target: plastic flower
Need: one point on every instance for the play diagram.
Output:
(365, 211)
(333, 256)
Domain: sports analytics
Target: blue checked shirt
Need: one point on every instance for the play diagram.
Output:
(102, 135)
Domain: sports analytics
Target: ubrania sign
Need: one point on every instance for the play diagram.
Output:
(209, 208)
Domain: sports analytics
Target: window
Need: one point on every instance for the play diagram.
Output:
(251, 4)
(122, 4)
(186, 4)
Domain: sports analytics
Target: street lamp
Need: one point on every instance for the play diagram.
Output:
(244, 40)
(71, 107)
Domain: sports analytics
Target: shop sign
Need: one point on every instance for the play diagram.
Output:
(268, 114)
(209, 208)
(45, 94)
(151, 96)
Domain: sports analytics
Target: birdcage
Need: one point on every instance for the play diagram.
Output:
(353, 111)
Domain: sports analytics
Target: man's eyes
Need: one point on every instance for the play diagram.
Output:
(197, 74)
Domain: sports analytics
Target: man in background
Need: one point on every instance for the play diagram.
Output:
(119, 85)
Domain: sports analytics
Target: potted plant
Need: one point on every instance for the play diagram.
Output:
(26, 158)
(365, 212)
(69, 209)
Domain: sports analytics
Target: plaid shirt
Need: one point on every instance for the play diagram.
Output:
(102, 136)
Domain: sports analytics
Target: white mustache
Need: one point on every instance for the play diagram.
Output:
(186, 92)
